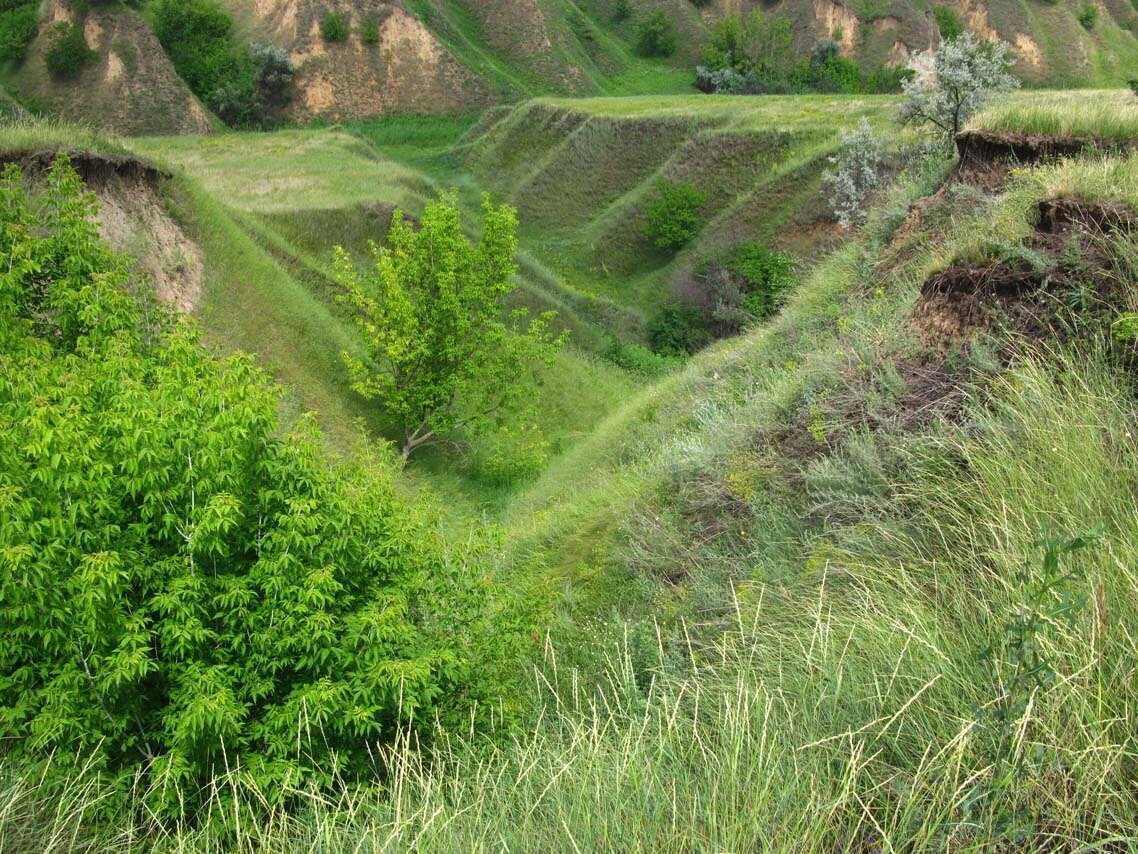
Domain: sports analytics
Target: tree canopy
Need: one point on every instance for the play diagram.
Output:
(441, 352)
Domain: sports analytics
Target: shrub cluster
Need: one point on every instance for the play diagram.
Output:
(245, 85)
(334, 28)
(856, 176)
(754, 55)
(186, 588)
(19, 21)
(672, 218)
(948, 22)
(656, 35)
(66, 51)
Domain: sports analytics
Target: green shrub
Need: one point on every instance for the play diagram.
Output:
(246, 85)
(67, 52)
(767, 275)
(656, 35)
(188, 589)
(638, 360)
(369, 32)
(622, 11)
(948, 21)
(1088, 16)
(672, 218)
(18, 25)
(678, 330)
(334, 28)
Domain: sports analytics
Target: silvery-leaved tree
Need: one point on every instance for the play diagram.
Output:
(968, 71)
(857, 174)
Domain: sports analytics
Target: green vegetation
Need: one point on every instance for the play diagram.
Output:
(188, 593)
(656, 35)
(334, 28)
(1110, 116)
(968, 72)
(1088, 16)
(18, 24)
(948, 22)
(438, 359)
(67, 52)
(805, 534)
(754, 54)
(369, 32)
(246, 85)
(672, 218)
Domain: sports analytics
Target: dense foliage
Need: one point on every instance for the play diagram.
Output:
(656, 35)
(672, 217)
(857, 173)
(19, 21)
(754, 54)
(184, 589)
(246, 85)
(334, 28)
(66, 52)
(439, 356)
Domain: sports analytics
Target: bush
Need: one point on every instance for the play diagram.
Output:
(273, 73)
(622, 11)
(188, 588)
(948, 22)
(1088, 16)
(656, 35)
(334, 28)
(767, 275)
(67, 51)
(18, 27)
(857, 175)
(672, 218)
(678, 330)
(638, 360)
(369, 32)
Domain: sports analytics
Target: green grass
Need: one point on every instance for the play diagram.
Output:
(1106, 115)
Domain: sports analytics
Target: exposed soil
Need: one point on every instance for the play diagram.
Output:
(93, 168)
(1071, 271)
(987, 156)
(130, 85)
(132, 219)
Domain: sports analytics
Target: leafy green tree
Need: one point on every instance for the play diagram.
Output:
(186, 589)
(439, 356)
(758, 44)
(968, 72)
(672, 218)
(18, 25)
(656, 35)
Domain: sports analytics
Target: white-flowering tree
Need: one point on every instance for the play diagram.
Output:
(857, 174)
(968, 71)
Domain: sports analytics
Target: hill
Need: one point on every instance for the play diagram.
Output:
(440, 56)
(858, 578)
(128, 85)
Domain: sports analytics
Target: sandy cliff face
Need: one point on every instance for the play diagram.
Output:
(130, 87)
(406, 70)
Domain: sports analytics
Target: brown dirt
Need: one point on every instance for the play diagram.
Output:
(130, 88)
(1021, 296)
(987, 156)
(133, 220)
(407, 71)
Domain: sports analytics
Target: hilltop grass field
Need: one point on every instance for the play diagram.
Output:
(860, 578)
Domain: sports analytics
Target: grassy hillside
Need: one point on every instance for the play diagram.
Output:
(818, 588)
